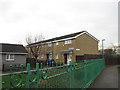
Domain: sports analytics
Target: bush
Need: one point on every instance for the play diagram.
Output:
(32, 62)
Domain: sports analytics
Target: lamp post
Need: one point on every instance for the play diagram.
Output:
(103, 48)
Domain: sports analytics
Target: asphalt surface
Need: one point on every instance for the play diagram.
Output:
(108, 78)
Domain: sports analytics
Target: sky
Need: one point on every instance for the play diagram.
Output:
(53, 18)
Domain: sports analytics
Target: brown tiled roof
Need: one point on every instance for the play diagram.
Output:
(59, 38)
(14, 48)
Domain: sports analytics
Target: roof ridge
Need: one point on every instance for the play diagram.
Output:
(64, 36)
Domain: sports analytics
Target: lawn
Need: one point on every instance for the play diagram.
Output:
(21, 77)
(15, 79)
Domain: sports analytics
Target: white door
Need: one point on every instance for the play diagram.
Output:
(69, 56)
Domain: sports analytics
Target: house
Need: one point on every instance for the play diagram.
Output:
(68, 47)
(12, 54)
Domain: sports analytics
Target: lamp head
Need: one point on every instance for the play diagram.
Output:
(103, 40)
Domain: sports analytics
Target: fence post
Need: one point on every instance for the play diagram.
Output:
(28, 76)
(10, 81)
(41, 65)
(71, 68)
(37, 69)
(85, 72)
(21, 67)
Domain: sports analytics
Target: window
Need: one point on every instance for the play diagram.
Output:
(50, 44)
(57, 43)
(10, 57)
(57, 57)
(68, 41)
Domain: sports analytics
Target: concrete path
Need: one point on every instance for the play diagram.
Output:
(107, 79)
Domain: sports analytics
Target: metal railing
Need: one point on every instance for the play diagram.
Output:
(75, 75)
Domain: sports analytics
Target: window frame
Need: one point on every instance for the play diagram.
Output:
(8, 57)
(57, 43)
(67, 41)
(49, 44)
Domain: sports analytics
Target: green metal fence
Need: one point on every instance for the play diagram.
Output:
(75, 75)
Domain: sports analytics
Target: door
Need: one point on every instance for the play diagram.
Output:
(65, 58)
(47, 56)
(69, 59)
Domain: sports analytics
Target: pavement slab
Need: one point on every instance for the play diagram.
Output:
(108, 78)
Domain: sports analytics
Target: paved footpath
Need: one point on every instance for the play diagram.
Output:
(107, 79)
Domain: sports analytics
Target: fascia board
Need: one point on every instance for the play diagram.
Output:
(88, 35)
(12, 53)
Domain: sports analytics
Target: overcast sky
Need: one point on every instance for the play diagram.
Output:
(53, 18)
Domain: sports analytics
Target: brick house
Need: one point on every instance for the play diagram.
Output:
(68, 47)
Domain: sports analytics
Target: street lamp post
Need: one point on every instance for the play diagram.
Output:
(103, 48)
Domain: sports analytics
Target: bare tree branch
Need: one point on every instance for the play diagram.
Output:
(35, 49)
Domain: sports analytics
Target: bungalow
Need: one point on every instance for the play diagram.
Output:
(12, 54)
(68, 47)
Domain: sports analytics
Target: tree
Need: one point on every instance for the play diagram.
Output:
(108, 51)
(33, 47)
(114, 47)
